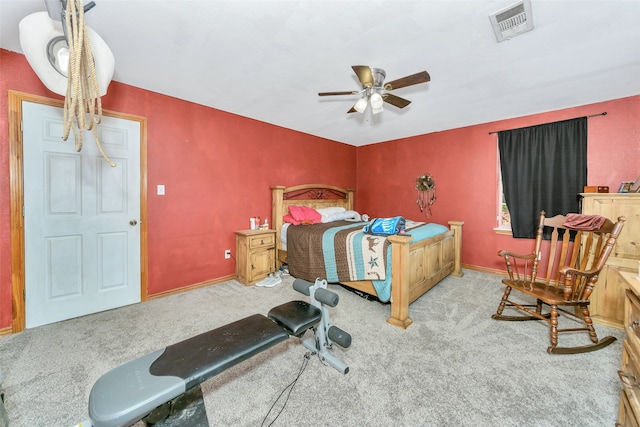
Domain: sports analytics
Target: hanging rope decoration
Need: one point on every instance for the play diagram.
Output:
(83, 95)
(426, 186)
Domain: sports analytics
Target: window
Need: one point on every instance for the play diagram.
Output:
(544, 167)
(503, 218)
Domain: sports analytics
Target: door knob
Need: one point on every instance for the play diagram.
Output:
(133, 222)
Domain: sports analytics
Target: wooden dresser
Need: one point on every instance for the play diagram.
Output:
(607, 300)
(629, 411)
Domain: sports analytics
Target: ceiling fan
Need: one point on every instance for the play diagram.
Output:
(375, 92)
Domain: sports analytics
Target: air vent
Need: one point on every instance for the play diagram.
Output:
(512, 21)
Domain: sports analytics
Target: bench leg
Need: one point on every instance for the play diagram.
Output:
(186, 409)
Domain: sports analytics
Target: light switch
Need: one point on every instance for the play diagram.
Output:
(160, 190)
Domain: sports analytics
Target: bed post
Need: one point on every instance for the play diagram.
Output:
(349, 196)
(456, 226)
(400, 296)
(277, 195)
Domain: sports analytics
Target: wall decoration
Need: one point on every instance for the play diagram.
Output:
(426, 186)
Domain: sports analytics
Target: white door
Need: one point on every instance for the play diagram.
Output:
(81, 217)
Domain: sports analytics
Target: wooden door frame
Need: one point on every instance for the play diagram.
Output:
(16, 184)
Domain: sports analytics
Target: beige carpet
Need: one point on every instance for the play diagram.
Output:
(454, 366)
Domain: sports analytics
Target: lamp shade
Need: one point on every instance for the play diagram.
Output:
(40, 41)
(361, 105)
(376, 103)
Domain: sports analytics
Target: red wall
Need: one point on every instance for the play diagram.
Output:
(464, 164)
(217, 169)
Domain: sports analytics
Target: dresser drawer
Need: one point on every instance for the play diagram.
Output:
(631, 363)
(626, 416)
(629, 377)
(262, 241)
(632, 318)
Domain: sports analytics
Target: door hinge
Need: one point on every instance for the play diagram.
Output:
(23, 211)
(21, 126)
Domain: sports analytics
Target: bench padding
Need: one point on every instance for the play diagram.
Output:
(203, 356)
(296, 316)
(127, 393)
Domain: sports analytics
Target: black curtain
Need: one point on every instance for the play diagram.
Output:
(544, 167)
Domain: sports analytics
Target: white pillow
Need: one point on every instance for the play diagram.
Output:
(346, 215)
(327, 212)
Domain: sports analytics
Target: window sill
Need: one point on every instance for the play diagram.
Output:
(503, 231)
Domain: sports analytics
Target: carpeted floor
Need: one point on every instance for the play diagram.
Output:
(454, 366)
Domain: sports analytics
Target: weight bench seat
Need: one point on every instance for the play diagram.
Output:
(127, 393)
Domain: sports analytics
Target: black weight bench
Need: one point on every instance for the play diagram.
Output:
(131, 391)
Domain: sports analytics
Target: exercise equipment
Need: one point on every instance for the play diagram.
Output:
(4, 418)
(131, 391)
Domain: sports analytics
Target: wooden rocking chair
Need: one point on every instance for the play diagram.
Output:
(572, 269)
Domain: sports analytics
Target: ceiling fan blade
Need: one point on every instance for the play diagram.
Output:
(414, 79)
(352, 110)
(351, 92)
(364, 74)
(395, 100)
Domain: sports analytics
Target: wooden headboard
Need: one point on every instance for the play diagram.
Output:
(311, 195)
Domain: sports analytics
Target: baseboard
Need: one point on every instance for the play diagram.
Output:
(191, 287)
(6, 331)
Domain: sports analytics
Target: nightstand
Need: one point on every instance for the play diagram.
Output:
(255, 255)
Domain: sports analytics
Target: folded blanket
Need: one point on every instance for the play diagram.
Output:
(584, 222)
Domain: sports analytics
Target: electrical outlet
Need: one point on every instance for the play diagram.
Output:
(227, 254)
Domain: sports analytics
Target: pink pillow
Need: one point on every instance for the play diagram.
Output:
(288, 218)
(303, 215)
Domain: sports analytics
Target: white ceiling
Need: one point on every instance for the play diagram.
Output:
(267, 60)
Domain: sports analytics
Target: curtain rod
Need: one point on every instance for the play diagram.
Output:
(604, 113)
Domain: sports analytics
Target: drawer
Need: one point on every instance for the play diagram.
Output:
(630, 377)
(626, 416)
(632, 318)
(262, 241)
(631, 363)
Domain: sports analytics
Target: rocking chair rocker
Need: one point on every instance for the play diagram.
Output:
(577, 252)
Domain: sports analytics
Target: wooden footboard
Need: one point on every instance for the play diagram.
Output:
(417, 267)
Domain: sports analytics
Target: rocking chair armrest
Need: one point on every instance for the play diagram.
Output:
(586, 273)
(504, 253)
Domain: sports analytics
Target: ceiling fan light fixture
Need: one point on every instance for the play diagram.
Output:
(361, 105)
(58, 55)
(42, 41)
(376, 103)
(376, 92)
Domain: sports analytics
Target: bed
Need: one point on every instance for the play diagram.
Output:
(416, 265)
